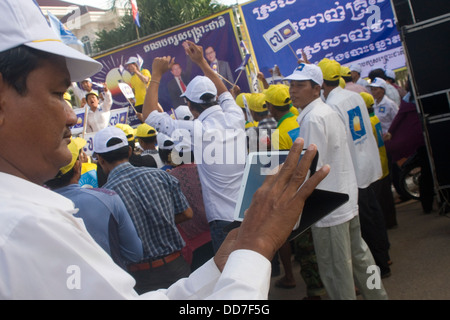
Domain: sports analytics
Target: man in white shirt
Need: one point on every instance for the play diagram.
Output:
(365, 157)
(356, 70)
(99, 113)
(80, 93)
(47, 253)
(342, 254)
(217, 136)
(385, 108)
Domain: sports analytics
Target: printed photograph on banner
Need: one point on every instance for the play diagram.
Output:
(216, 32)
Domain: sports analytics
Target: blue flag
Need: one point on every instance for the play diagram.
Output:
(64, 34)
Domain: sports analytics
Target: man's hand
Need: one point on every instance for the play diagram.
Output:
(195, 52)
(276, 207)
(161, 65)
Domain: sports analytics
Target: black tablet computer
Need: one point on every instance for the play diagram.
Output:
(260, 164)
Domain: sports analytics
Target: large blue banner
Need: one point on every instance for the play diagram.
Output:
(348, 31)
(216, 34)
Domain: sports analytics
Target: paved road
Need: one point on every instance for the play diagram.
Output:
(420, 251)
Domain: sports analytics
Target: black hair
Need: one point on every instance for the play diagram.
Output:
(282, 108)
(347, 78)
(377, 73)
(331, 83)
(61, 180)
(17, 63)
(209, 101)
(148, 139)
(116, 155)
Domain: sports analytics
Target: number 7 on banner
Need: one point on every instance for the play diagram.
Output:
(281, 35)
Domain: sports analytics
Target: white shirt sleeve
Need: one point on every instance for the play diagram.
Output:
(246, 276)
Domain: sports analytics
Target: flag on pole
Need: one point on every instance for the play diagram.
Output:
(64, 34)
(135, 11)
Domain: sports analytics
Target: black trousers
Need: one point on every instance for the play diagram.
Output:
(161, 277)
(373, 228)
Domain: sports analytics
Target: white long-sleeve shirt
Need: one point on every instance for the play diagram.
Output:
(47, 253)
(98, 119)
(219, 143)
(321, 125)
(362, 144)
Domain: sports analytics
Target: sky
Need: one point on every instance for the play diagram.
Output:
(104, 3)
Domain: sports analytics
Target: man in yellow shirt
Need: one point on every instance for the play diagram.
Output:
(279, 105)
(139, 81)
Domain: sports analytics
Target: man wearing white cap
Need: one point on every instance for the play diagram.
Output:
(365, 157)
(356, 75)
(217, 130)
(385, 108)
(140, 79)
(80, 93)
(47, 253)
(342, 254)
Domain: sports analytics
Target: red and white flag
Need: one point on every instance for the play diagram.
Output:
(135, 11)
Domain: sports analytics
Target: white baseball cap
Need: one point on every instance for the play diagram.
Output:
(132, 60)
(307, 72)
(390, 74)
(198, 87)
(356, 68)
(378, 82)
(183, 113)
(25, 24)
(102, 138)
(164, 141)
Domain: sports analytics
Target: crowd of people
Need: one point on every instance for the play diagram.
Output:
(157, 225)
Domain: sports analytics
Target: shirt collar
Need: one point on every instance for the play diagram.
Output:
(25, 191)
(117, 170)
(287, 115)
(208, 112)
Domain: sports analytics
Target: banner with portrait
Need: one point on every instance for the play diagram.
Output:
(348, 31)
(217, 34)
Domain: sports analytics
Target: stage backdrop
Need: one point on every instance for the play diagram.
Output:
(358, 31)
(217, 31)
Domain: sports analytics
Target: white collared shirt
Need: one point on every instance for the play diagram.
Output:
(47, 253)
(322, 126)
(219, 143)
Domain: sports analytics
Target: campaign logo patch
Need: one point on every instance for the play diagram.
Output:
(356, 123)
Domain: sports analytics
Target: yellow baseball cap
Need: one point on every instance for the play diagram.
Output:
(129, 131)
(95, 93)
(75, 145)
(331, 69)
(368, 99)
(257, 102)
(342, 83)
(145, 131)
(345, 72)
(240, 99)
(278, 95)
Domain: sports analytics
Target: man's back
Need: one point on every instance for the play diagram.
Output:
(152, 198)
(107, 221)
(320, 125)
(363, 147)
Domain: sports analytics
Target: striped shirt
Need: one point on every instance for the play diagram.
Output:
(153, 198)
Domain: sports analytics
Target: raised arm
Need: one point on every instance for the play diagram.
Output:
(160, 66)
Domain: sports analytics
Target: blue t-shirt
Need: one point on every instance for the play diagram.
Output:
(107, 221)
